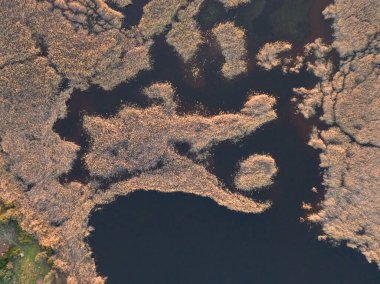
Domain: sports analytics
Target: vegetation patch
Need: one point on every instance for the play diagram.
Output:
(232, 43)
(22, 259)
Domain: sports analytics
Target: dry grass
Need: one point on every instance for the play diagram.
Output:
(185, 35)
(269, 55)
(116, 146)
(82, 41)
(16, 42)
(121, 3)
(28, 111)
(356, 24)
(94, 15)
(255, 172)
(58, 214)
(232, 43)
(157, 15)
(233, 3)
(45, 47)
(349, 99)
(112, 151)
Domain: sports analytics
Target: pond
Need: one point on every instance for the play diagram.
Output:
(152, 237)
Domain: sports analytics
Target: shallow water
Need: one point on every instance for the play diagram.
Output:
(151, 237)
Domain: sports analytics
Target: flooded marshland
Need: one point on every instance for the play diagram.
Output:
(151, 237)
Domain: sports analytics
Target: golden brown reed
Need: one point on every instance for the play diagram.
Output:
(349, 99)
(255, 172)
(269, 55)
(233, 3)
(185, 35)
(232, 43)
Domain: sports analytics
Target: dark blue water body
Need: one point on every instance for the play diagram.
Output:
(132, 12)
(151, 237)
(177, 238)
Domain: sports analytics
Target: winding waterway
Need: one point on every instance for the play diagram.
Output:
(151, 237)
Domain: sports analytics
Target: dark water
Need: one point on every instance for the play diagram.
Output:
(150, 237)
(133, 12)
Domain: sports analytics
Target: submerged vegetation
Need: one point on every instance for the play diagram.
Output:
(289, 20)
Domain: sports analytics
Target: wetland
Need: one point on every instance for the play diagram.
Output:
(181, 238)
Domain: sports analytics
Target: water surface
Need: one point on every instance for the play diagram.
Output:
(177, 238)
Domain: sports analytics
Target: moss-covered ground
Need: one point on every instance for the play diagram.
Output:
(22, 259)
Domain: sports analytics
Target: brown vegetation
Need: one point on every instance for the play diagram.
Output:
(157, 15)
(349, 98)
(185, 35)
(181, 174)
(121, 3)
(94, 15)
(233, 3)
(255, 172)
(356, 23)
(232, 43)
(269, 55)
(116, 144)
(47, 46)
(33, 156)
(46, 43)
(29, 107)
(16, 42)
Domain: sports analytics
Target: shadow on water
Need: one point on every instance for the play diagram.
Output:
(150, 237)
